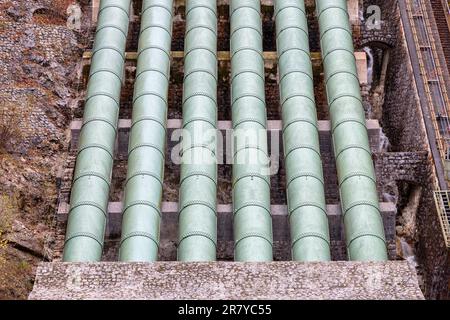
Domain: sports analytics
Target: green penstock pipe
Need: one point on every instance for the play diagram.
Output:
(92, 178)
(304, 177)
(251, 180)
(356, 175)
(146, 153)
(198, 181)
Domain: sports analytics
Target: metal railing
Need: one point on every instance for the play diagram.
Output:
(442, 201)
(437, 98)
(436, 91)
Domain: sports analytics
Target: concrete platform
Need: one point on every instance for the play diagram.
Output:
(226, 280)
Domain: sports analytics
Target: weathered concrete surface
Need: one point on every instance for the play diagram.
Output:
(222, 280)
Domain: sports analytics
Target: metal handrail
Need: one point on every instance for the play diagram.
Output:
(442, 201)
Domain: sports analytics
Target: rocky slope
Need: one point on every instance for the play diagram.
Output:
(39, 73)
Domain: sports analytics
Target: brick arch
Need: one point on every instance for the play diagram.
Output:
(377, 42)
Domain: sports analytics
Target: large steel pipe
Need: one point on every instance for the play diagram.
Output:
(146, 153)
(356, 175)
(251, 179)
(92, 178)
(198, 184)
(304, 177)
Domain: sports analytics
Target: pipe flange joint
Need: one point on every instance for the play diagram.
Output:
(362, 174)
(246, 235)
(252, 175)
(85, 235)
(91, 174)
(159, 5)
(301, 146)
(144, 173)
(128, 205)
(149, 145)
(197, 202)
(85, 147)
(144, 234)
(203, 234)
(244, 120)
(303, 235)
(199, 173)
(360, 203)
(307, 204)
(303, 175)
(364, 234)
(101, 119)
(90, 204)
(259, 204)
(159, 121)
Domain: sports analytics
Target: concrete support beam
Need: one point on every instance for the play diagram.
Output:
(269, 56)
(274, 128)
(169, 223)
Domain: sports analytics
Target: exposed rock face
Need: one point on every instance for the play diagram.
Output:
(38, 86)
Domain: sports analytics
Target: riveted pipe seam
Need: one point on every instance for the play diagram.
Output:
(295, 71)
(144, 173)
(357, 185)
(297, 121)
(317, 205)
(97, 50)
(144, 50)
(198, 173)
(278, 10)
(236, 211)
(196, 203)
(197, 240)
(96, 146)
(152, 70)
(87, 203)
(250, 175)
(110, 26)
(200, 71)
(100, 119)
(86, 234)
(251, 189)
(202, 119)
(142, 203)
(103, 8)
(103, 94)
(169, 10)
(304, 176)
(148, 118)
(309, 235)
(140, 234)
(253, 235)
(91, 174)
(141, 214)
(168, 31)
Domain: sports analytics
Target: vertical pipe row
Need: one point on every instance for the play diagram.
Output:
(304, 177)
(91, 183)
(198, 179)
(356, 175)
(251, 179)
(146, 153)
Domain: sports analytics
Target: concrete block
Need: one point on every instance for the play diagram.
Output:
(226, 280)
